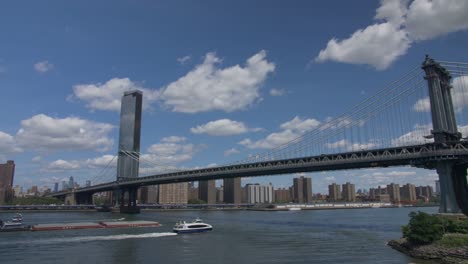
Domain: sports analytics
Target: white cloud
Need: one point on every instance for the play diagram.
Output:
(222, 127)
(63, 165)
(103, 161)
(291, 130)
(231, 151)
(348, 146)
(277, 92)
(208, 87)
(416, 136)
(44, 133)
(380, 44)
(183, 60)
(43, 66)
(377, 45)
(422, 105)
(36, 159)
(108, 96)
(171, 151)
(8, 144)
(427, 19)
(173, 139)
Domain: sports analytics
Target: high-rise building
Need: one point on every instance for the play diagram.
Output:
(192, 191)
(349, 193)
(394, 192)
(88, 183)
(408, 193)
(64, 185)
(129, 135)
(334, 192)
(71, 183)
(283, 195)
(232, 191)
(302, 190)
(437, 187)
(173, 193)
(56, 187)
(207, 191)
(424, 192)
(18, 191)
(257, 193)
(152, 194)
(7, 174)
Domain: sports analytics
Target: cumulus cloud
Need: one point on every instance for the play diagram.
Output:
(231, 151)
(277, 92)
(44, 133)
(398, 27)
(427, 19)
(209, 87)
(63, 165)
(8, 144)
(170, 151)
(103, 161)
(43, 66)
(183, 60)
(348, 146)
(107, 96)
(290, 130)
(222, 127)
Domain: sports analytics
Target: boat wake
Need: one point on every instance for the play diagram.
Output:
(95, 238)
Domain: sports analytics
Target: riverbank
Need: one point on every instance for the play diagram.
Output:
(435, 251)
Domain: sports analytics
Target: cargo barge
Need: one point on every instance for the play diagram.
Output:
(82, 225)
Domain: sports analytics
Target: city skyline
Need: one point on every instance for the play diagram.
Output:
(70, 125)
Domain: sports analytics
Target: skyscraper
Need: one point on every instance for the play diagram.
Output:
(394, 192)
(7, 174)
(232, 191)
(207, 191)
(71, 183)
(283, 195)
(334, 192)
(349, 193)
(257, 193)
(408, 192)
(56, 187)
(302, 190)
(129, 135)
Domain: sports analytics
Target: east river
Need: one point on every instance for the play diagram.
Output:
(325, 236)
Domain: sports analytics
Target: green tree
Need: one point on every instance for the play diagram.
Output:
(423, 228)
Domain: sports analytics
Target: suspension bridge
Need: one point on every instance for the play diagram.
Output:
(410, 122)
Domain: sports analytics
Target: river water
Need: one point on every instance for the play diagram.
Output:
(319, 236)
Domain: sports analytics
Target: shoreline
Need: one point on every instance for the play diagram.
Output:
(431, 251)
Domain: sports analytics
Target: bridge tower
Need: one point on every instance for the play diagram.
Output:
(129, 149)
(452, 174)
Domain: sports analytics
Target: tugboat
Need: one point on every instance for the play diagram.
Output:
(194, 227)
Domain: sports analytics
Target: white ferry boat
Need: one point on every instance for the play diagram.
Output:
(193, 227)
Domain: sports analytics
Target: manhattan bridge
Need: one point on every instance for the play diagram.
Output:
(411, 122)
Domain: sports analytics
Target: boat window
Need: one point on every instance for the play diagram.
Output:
(196, 226)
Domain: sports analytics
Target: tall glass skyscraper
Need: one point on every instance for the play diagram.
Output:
(129, 136)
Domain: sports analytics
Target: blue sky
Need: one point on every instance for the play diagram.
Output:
(222, 79)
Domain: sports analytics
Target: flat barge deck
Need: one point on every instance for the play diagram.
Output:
(84, 225)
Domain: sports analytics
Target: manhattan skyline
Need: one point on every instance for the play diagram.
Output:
(220, 81)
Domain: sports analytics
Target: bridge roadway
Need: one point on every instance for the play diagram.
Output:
(423, 156)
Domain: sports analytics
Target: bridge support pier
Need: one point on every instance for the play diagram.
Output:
(128, 201)
(84, 198)
(70, 199)
(460, 186)
(448, 200)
